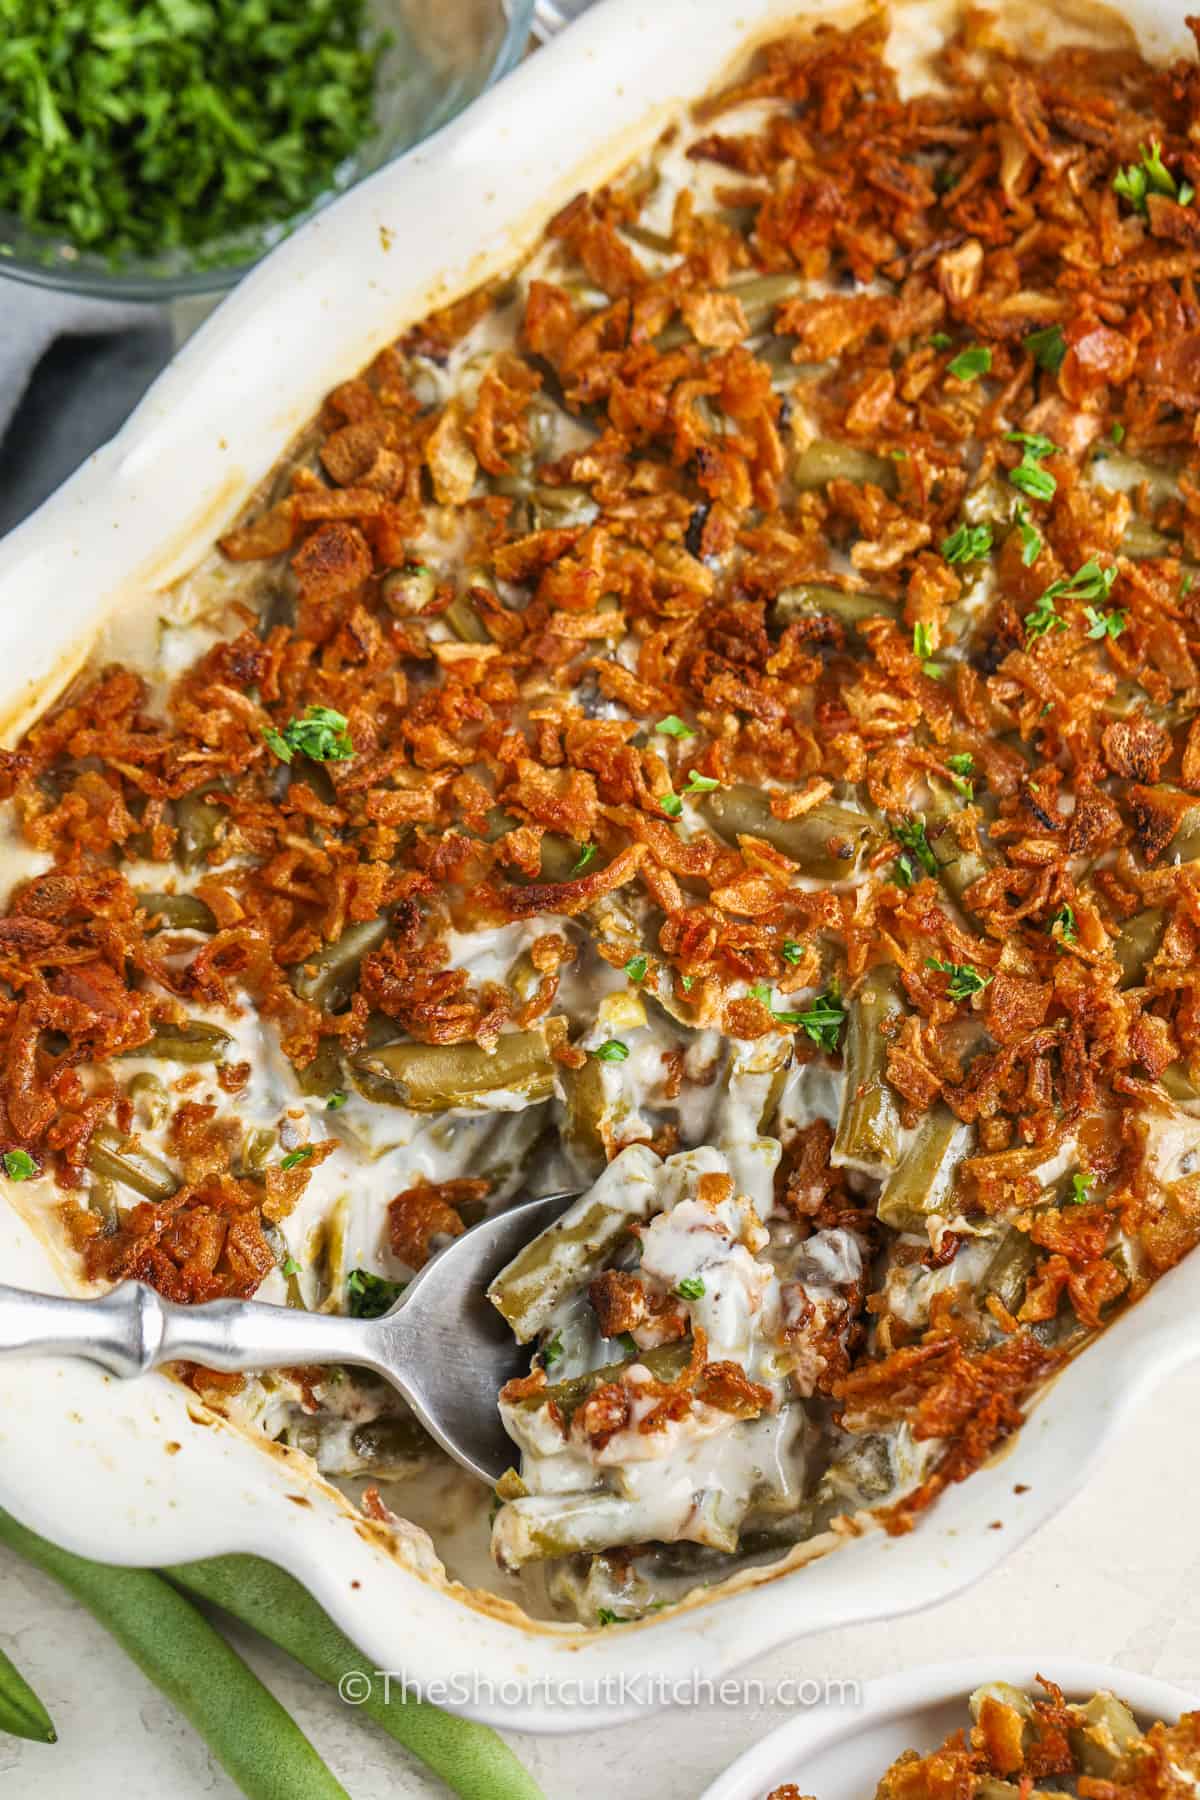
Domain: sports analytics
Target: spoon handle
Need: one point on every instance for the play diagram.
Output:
(133, 1329)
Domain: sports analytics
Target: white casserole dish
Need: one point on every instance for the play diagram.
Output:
(141, 1473)
(840, 1752)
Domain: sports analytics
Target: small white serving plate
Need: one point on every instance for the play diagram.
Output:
(141, 1473)
(840, 1752)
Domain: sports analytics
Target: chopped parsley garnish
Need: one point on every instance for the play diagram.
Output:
(1080, 1185)
(688, 982)
(636, 968)
(290, 1266)
(1118, 432)
(1047, 347)
(612, 1051)
(965, 980)
(606, 1616)
(552, 1352)
(671, 804)
(1043, 617)
(587, 855)
(1062, 925)
(941, 340)
(690, 1288)
(336, 1100)
(700, 784)
(922, 646)
(19, 1165)
(321, 735)
(672, 726)
(1185, 586)
(971, 363)
(911, 837)
(822, 1021)
(970, 543)
(791, 951)
(1029, 477)
(370, 1296)
(961, 763)
(628, 1343)
(1089, 582)
(1031, 537)
(1150, 176)
(138, 126)
(294, 1158)
(1104, 624)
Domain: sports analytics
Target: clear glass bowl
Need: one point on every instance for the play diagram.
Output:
(442, 55)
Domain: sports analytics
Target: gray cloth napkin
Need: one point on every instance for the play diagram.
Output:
(33, 318)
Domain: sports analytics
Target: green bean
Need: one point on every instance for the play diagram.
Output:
(286, 1266)
(264, 1753)
(462, 616)
(21, 1712)
(1138, 944)
(470, 1759)
(827, 841)
(1122, 472)
(586, 1110)
(1104, 1730)
(149, 1095)
(192, 1042)
(546, 1526)
(177, 912)
(258, 1148)
(440, 1077)
(759, 295)
(408, 591)
(562, 1258)
(849, 607)
(102, 1200)
(1178, 1083)
(1010, 1268)
(324, 1074)
(957, 868)
(199, 827)
(868, 1133)
(923, 1182)
(116, 1158)
(1141, 541)
(559, 857)
(390, 1441)
(1184, 843)
(665, 1362)
(326, 979)
(826, 460)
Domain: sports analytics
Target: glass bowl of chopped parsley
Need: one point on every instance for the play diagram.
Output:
(155, 148)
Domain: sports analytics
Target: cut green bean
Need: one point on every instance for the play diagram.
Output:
(957, 868)
(666, 1362)
(560, 1260)
(1104, 1730)
(442, 1077)
(868, 1133)
(257, 1744)
(327, 978)
(826, 460)
(828, 841)
(397, 1441)
(463, 618)
(200, 824)
(543, 1527)
(1141, 541)
(116, 1158)
(849, 607)
(151, 1100)
(325, 1074)
(21, 1712)
(1138, 944)
(177, 912)
(470, 1759)
(923, 1181)
(586, 1111)
(1010, 1268)
(195, 1041)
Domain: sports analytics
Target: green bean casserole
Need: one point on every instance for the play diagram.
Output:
(708, 721)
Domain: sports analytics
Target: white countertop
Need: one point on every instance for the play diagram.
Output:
(1115, 1578)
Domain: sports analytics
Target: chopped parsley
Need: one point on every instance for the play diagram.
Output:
(1029, 477)
(911, 837)
(1104, 624)
(971, 363)
(965, 980)
(587, 855)
(321, 735)
(294, 1158)
(290, 1266)
(370, 1296)
(970, 543)
(671, 804)
(1150, 176)
(1117, 433)
(1047, 347)
(791, 951)
(690, 1288)
(612, 1051)
(628, 1343)
(1185, 586)
(336, 1100)
(941, 340)
(700, 784)
(19, 1165)
(1080, 1185)
(822, 1021)
(1031, 537)
(1062, 925)
(1089, 582)
(1043, 617)
(606, 1616)
(553, 1351)
(961, 762)
(922, 645)
(672, 726)
(636, 968)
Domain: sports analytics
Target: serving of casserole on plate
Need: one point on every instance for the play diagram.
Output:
(704, 717)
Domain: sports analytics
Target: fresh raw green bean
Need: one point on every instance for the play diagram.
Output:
(561, 1259)
(826, 460)
(828, 841)
(1103, 1734)
(1138, 944)
(441, 1077)
(327, 978)
(1010, 1268)
(21, 1712)
(177, 912)
(114, 1158)
(848, 606)
(200, 825)
(923, 1182)
(257, 1744)
(192, 1042)
(868, 1133)
(471, 1760)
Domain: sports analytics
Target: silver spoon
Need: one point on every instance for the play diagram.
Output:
(443, 1345)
